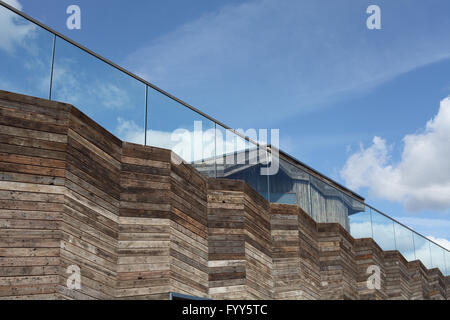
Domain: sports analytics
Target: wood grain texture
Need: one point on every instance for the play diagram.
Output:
(367, 254)
(226, 240)
(287, 275)
(447, 280)
(337, 263)
(33, 142)
(141, 225)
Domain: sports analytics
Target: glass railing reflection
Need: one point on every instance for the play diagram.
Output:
(291, 185)
(328, 204)
(26, 52)
(437, 257)
(238, 158)
(361, 224)
(391, 235)
(423, 253)
(447, 263)
(175, 127)
(383, 231)
(404, 240)
(107, 95)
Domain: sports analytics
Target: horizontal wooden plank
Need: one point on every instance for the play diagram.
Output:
(29, 252)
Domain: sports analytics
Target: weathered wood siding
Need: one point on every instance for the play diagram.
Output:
(240, 258)
(140, 224)
(338, 268)
(143, 270)
(89, 224)
(398, 277)
(367, 254)
(33, 143)
(188, 231)
(287, 271)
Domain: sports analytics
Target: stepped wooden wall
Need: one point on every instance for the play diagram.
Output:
(33, 142)
(287, 271)
(338, 268)
(226, 240)
(143, 270)
(368, 253)
(89, 223)
(240, 253)
(398, 277)
(296, 265)
(448, 287)
(139, 224)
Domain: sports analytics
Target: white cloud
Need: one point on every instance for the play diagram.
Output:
(66, 87)
(191, 145)
(12, 31)
(129, 131)
(441, 241)
(420, 180)
(80, 87)
(112, 96)
(186, 144)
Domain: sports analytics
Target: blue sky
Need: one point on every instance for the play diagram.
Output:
(310, 68)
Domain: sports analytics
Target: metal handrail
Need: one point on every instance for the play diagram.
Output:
(136, 77)
(405, 226)
(114, 65)
(385, 215)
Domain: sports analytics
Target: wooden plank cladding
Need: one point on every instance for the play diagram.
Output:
(33, 143)
(296, 269)
(143, 270)
(226, 240)
(367, 254)
(240, 251)
(89, 224)
(140, 224)
(337, 263)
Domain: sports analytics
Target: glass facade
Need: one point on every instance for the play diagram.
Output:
(35, 61)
